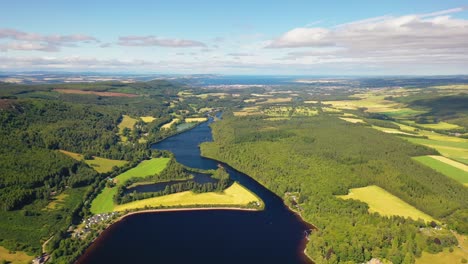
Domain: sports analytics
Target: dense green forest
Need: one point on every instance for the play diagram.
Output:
(42, 186)
(321, 157)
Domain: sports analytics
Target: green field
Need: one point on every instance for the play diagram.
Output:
(127, 122)
(100, 165)
(236, 194)
(385, 203)
(444, 168)
(438, 126)
(104, 201)
(454, 150)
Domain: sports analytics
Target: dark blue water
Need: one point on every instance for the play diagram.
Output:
(275, 235)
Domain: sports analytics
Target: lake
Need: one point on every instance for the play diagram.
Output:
(275, 235)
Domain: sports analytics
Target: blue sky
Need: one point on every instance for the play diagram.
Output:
(236, 37)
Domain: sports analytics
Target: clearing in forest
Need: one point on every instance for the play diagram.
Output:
(147, 119)
(19, 257)
(100, 165)
(385, 203)
(127, 122)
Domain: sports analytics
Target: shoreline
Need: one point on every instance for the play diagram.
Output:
(163, 210)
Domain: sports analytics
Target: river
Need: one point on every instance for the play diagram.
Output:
(275, 235)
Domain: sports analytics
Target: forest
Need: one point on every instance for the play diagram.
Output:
(315, 158)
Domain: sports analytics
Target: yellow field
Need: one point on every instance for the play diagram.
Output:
(391, 130)
(195, 119)
(352, 120)
(310, 102)
(385, 203)
(276, 100)
(127, 122)
(17, 257)
(147, 119)
(168, 125)
(100, 165)
(234, 195)
(252, 110)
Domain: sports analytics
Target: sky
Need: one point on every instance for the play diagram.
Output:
(421, 37)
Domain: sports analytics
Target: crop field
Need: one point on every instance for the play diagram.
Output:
(100, 165)
(276, 100)
(392, 131)
(459, 172)
(147, 119)
(286, 111)
(438, 126)
(454, 150)
(252, 110)
(352, 120)
(195, 119)
(104, 202)
(375, 103)
(236, 194)
(15, 257)
(168, 125)
(385, 203)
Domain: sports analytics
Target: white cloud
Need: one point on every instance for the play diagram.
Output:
(143, 41)
(433, 38)
(69, 63)
(19, 40)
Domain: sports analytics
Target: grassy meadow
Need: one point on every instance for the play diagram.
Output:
(236, 194)
(104, 202)
(385, 203)
(100, 165)
(147, 119)
(446, 167)
(127, 122)
(15, 257)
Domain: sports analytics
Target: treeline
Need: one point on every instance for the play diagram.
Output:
(174, 171)
(326, 157)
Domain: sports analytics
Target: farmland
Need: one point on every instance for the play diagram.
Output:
(104, 202)
(235, 195)
(384, 203)
(444, 166)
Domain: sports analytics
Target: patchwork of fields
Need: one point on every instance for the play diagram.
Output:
(450, 168)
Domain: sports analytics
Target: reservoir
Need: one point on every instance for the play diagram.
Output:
(275, 235)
